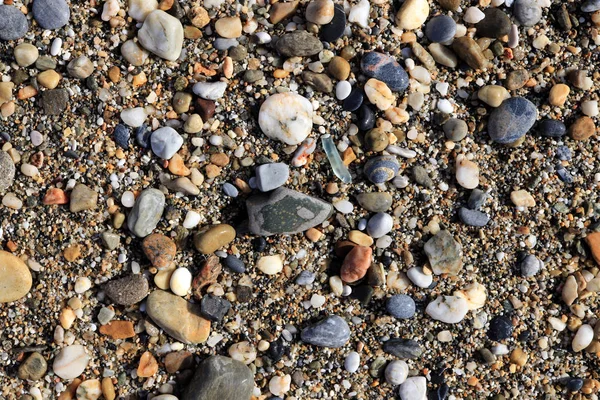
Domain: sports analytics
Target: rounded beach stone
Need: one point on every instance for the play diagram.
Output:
(379, 225)
(70, 362)
(512, 120)
(7, 171)
(26, 54)
(146, 212)
(15, 278)
(401, 306)
(375, 201)
(412, 14)
(213, 237)
(139, 9)
(455, 129)
(356, 264)
(332, 332)
(495, 24)
(33, 368)
(396, 372)
(51, 14)
(162, 34)
(299, 43)
(159, 249)
(128, 290)
(220, 378)
(334, 29)
(381, 169)
(320, 12)
(14, 23)
(500, 328)
(448, 309)
(527, 12)
(386, 69)
(552, 128)
(165, 142)
(286, 117)
(440, 29)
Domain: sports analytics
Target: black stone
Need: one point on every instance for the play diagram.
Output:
(440, 393)
(335, 29)
(362, 293)
(476, 199)
(403, 348)
(574, 384)
(495, 24)
(552, 128)
(354, 100)
(500, 328)
(235, 264)
(366, 118)
(243, 293)
(122, 134)
(214, 308)
(259, 244)
(142, 136)
(276, 350)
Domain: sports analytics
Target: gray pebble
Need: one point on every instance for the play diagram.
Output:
(530, 265)
(7, 171)
(440, 29)
(473, 217)
(476, 199)
(332, 332)
(421, 176)
(401, 306)
(146, 212)
(455, 129)
(511, 120)
(271, 176)
(51, 14)
(14, 23)
(235, 264)
(527, 12)
(230, 190)
(305, 278)
(403, 348)
(128, 290)
(591, 6)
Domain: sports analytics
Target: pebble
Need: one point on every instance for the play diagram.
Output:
(493, 95)
(146, 212)
(334, 29)
(469, 51)
(181, 281)
(331, 332)
(591, 6)
(583, 128)
(271, 176)
(230, 190)
(443, 55)
(82, 198)
(128, 290)
(574, 384)
(381, 169)
(385, 68)
(178, 318)
(70, 362)
(516, 79)
(495, 24)
(285, 211)
(320, 12)
(530, 265)
(467, 172)
(552, 128)
(473, 217)
(448, 309)
(455, 129)
(473, 15)
(134, 53)
(51, 14)
(440, 29)
(522, 198)
(221, 378)
(305, 278)
(165, 142)
(512, 120)
(80, 67)
(354, 100)
(7, 171)
(14, 23)
(419, 277)
(342, 90)
(229, 27)
(55, 101)
(210, 90)
(26, 54)
(352, 362)
(214, 308)
(90, 389)
(139, 9)
(343, 206)
(162, 34)
(375, 201)
(359, 13)
(339, 68)
(414, 388)
(403, 348)
(366, 118)
(589, 108)
(396, 372)
(379, 94)
(583, 338)
(444, 253)
(270, 265)
(286, 117)
(356, 263)
(412, 14)
(558, 94)
(527, 12)
(379, 225)
(213, 237)
(133, 117)
(500, 328)
(401, 306)
(298, 43)
(279, 385)
(33, 368)
(475, 294)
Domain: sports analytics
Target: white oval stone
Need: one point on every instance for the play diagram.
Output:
(448, 309)
(270, 265)
(414, 388)
(165, 142)
(139, 9)
(473, 15)
(590, 108)
(320, 12)
(82, 284)
(419, 278)
(344, 206)
(286, 117)
(280, 385)
(359, 13)
(181, 281)
(162, 34)
(467, 172)
(243, 351)
(583, 338)
(192, 219)
(352, 362)
(70, 362)
(134, 117)
(111, 9)
(210, 90)
(412, 14)
(133, 53)
(342, 90)
(337, 285)
(396, 372)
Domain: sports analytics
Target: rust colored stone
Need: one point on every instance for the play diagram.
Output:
(55, 196)
(356, 264)
(118, 329)
(160, 250)
(208, 273)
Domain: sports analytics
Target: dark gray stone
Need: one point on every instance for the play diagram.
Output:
(332, 331)
(455, 129)
(214, 308)
(529, 265)
(552, 128)
(299, 43)
(285, 211)
(527, 12)
(495, 24)
(51, 14)
(386, 69)
(440, 29)
(381, 169)
(334, 29)
(511, 120)
(122, 134)
(128, 290)
(235, 264)
(13, 24)
(403, 348)
(421, 176)
(473, 217)
(401, 306)
(7, 171)
(55, 101)
(476, 199)
(220, 378)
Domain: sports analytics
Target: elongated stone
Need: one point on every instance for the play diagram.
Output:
(339, 169)
(146, 212)
(470, 52)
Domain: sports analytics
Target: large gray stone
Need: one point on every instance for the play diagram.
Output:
(511, 120)
(220, 378)
(332, 331)
(285, 211)
(51, 14)
(299, 43)
(14, 23)
(146, 212)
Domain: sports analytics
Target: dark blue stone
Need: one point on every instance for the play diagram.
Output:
(500, 328)
(511, 120)
(564, 175)
(403, 348)
(235, 264)
(381, 169)
(591, 6)
(563, 153)
(366, 118)
(574, 384)
(473, 217)
(335, 29)
(259, 244)
(552, 128)
(122, 134)
(5, 136)
(142, 136)
(440, 393)
(386, 69)
(354, 100)
(440, 29)
(332, 332)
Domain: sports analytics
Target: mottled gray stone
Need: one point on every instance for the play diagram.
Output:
(271, 176)
(403, 348)
(527, 12)
(7, 171)
(146, 212)
(299, 43)
(375, 201)
(51, 14)
(530, 265)
(220, 378)
(473, 217)
(128, 290)
(332, 331)
(14, 23)
(444, 253)
(511, 120)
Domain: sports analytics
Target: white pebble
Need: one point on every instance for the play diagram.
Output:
(583, 338)
(270, 265)
(263, 37)
(192, 219)
(56, 46)
(82, 284)
(352, 362)
(317, 300)
(445, 106)
(418, 277)
(70, 362)
(181, 281)
(11, 200)
(280, 385)
(29, 170)
(396, 372)
(128, 199)
(467, 172)
(359, 14)
(134, 117)
(473, 15)
(448, 309)
(342, 90)
(344, 206)
(590, 108)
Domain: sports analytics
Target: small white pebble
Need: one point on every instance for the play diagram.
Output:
(128, 199)
(181, 281)
(82, 284)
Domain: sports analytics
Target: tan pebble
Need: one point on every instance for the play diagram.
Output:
(6, 89)
(412, 14)
(72, 253)
(118, 329)
(199, 17)
(69, 394)
(108, 389)
(229, 27)
(558, 94)
(242, 185)
(493, 95)
(397, 115)
(583, 128)
(148, 365)
(191, 32)
(67, 317)
(177, 166)
(280, 73)
(356, 264)
(213, 237)
(339, 68)
(26, 92)
(90, 389)
(160, 250)
(282, 10)
(7, 109)
(379, 94)
(162, 278)
(196, 177)
(228, 67)
(593, 241)
(522, 198)
(212, 171)
(114, 74)
(360, 238)
(519, 357)
(193, 124)
(49, 79)
(313, 234)
(219, 159)
(26, 54)
(569, 291)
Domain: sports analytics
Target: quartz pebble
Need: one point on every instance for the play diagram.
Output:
(467, 172)
(70, 362)
(414, 388)
(270, 265)
(134, 117)
(444, 253)
(181, 281)
(162, 34)
(352, 362)
(286, 117)
(583, 338)
(210, 90)
(396, 372)
(448, 309)
(320, 12)
(332, 332)
(379, 225)
(412, 14)
(165, 142)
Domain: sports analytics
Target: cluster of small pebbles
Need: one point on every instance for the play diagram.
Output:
(299, 199)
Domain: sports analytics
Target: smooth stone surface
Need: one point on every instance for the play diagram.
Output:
(271, 176)
(26, 54)
(7, 171)
(495, 24)
(527, 12)
(332, 332)
(82, 198)
(511, 120)
(381, 169)
(414, 388)
(455, 129)
(70, 362)
(165, 142)
(396, 372)
(375, 201)
(162, 34)
(15, 278)
(298, 43)
(354, 100)
(441, 28)
(473, 217)
(285, 211)
(320, 12)
(80, 67)
(134, 117)
(210, 90)
(379, 225)
(352, 362)
(401, 306)
(403, 348)
(530, 265)
(286, 117)
(128, 290)
(591, 6)
(146, 212)
(334, 29)
(54, 102)
(386, 69)
(366, 117)
(220, 378)
(444, 253)
(122, 135)
(142, 136)
(51, 14)
(551, 128)
(178, 318)
(448, 309)
(356, 264)
(33, 368)
(469, 51)
(412, 14)
(500, 328)
(14, 23)
(235, 264)
(477, 199)
(213, 237)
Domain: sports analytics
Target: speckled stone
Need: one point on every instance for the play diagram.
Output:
(7, 171)
(511, 120)
(299, 43)
(146, 212)
(51, 14)
(403, 348)
(128, 290)
(14, 23)
(220, 378)
(381, 169)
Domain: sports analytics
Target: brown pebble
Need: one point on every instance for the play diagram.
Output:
(160, 250)
(219, 159)
(108, 389)
(470, 52)
(178, 360)
(356, 264)
(148, 366)
(72, 253)
(583, 128)
(339, 68)
(118, 329)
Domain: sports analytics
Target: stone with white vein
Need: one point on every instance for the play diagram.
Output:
(448, 309)
(286, 117)
(70, 362)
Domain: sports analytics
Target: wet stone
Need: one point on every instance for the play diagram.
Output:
(334, 29)
(354, 100)
(476, 199)
(122, 134)
(366, 118)
(403, 348)
(142, 136)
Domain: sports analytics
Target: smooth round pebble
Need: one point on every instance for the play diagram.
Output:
(181, 281)
(401, 306)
